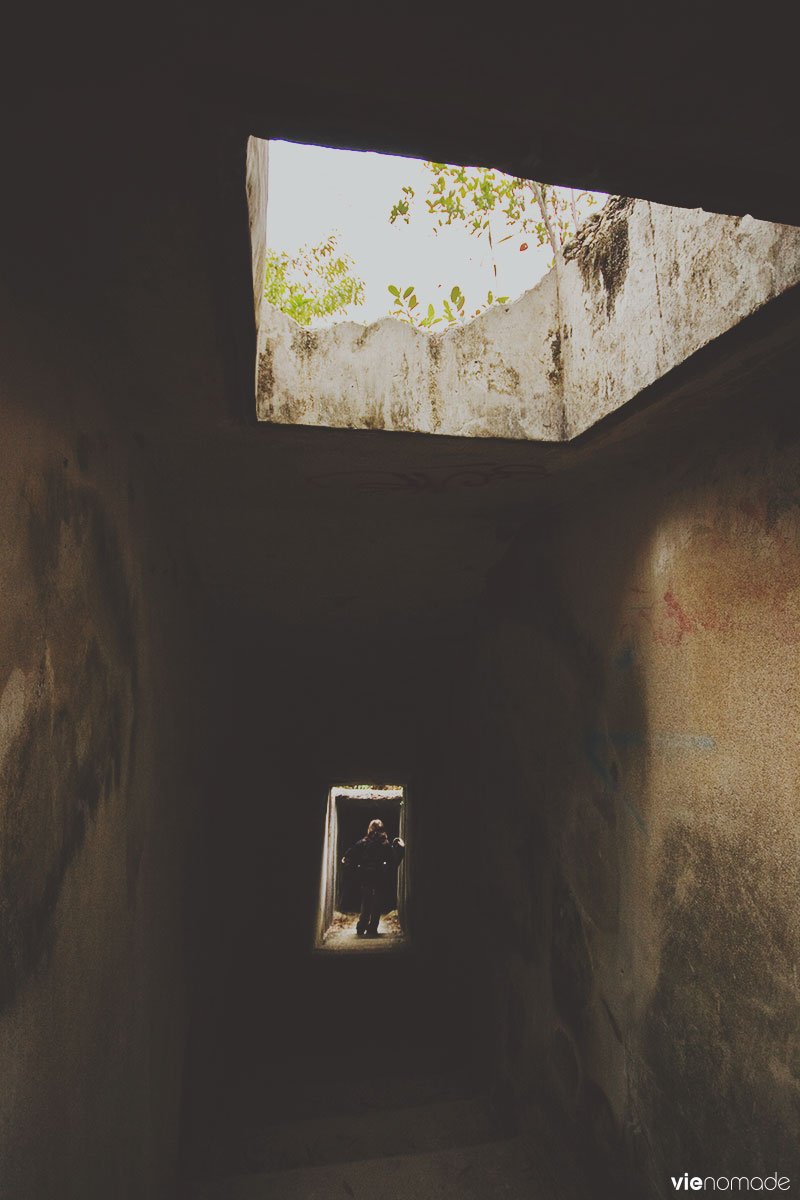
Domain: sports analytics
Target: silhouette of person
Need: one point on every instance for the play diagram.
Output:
(373, 857)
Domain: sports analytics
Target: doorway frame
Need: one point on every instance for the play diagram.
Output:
(368, 794)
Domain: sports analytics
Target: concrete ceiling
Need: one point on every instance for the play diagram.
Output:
(135, 190)
(359, 534)
(695, 108)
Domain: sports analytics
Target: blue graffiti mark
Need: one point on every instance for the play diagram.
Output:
(636, 815)
(686, 741)
(625, 659)
(629, 739)
(596, 745)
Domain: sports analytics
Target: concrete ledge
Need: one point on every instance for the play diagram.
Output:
(643, 286)
(640, 289)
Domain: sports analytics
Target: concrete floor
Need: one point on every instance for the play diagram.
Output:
(341, 935)
(347, 1128)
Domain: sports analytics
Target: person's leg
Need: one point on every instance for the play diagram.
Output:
(364, 917)
(374, 909)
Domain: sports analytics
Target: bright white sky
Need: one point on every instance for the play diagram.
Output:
(314, 190)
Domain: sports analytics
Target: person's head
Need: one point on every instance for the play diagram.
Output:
(376, 829)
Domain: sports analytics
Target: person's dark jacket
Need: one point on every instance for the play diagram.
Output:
(374, 855)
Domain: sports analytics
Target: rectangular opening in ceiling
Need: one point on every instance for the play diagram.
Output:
(364, 883)
(375, 267)
(385, 294)
(359, 236)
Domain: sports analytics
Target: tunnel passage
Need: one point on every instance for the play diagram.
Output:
(271, 1013)
(565, 748)
(657, 670)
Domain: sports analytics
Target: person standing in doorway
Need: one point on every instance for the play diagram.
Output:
(373, 857)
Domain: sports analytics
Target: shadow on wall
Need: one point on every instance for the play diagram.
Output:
(72, 713)
(636, 685)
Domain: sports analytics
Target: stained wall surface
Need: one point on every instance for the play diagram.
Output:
(617, 747)
(95, 774)
(103, 736)
(637, 691)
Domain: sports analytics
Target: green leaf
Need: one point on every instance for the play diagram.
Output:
(455, 294)
(408, 292)
(394, 290)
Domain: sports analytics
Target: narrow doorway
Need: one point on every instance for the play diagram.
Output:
(351, 808)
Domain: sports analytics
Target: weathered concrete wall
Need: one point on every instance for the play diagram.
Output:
(644, 286)
(633, 734)
(497, 376)
(113, 338)
(94, 772)
(257, 196)
(640, 289)
(103, 744)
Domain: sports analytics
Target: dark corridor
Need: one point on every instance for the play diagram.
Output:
(487, 1020)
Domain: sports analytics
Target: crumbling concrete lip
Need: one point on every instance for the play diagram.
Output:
(488, 377)
(640, 289)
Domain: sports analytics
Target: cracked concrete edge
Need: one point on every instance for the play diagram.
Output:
(641, 288)
(689, 276)
(257, 184)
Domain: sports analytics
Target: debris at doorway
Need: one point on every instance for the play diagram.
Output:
(341, 934)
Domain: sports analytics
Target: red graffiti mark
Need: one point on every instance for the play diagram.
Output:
(670, 627)
(678, 622)
(686, 623)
